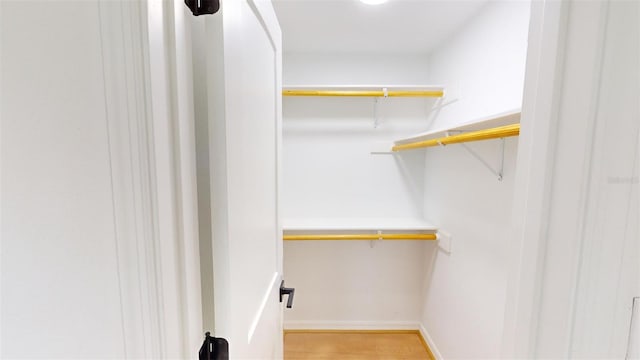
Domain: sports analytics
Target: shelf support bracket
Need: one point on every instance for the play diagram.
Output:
(372, 243)
(376, 121)
(500, 171)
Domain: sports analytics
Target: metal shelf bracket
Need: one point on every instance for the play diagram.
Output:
(500, 171)
(376, 112)
(372, 243)
(376, 120)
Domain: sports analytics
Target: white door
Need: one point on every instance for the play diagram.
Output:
(97, 245)
(244, 82)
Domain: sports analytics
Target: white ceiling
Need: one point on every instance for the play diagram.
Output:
(398, 26)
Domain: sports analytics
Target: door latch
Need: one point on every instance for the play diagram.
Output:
(287, 291)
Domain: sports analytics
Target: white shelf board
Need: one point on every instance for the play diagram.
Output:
(364, 87)
(357, 224)
(502, 119)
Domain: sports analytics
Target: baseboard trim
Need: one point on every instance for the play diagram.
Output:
(349, 331)
(431, 346)
(351, 325)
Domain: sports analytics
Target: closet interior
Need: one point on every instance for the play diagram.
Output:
(398, 179)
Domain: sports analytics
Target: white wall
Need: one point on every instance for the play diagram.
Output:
(360, 69)
(465, 290)
(482, 68)
(329, 172)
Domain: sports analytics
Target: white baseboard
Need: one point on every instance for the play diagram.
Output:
(432, 346)
(351, 325)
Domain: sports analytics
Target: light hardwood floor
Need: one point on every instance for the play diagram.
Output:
(387, 345)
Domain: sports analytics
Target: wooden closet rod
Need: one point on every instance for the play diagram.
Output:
(365, 93)
(486, 134)
(361, 237)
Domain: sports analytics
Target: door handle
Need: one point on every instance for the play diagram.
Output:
(287, 291)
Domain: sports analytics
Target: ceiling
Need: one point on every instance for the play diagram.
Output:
(349, 26)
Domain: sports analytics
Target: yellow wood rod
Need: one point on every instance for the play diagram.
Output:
(361, 237)
(493, 133)
(369, 93)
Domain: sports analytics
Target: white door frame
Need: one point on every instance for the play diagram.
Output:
(147, 64)
(535, 152)
(555, 160)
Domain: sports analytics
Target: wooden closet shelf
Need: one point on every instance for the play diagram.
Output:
(361, 237)
(364, 91)
(493, 127)
(493, 133)
(358, 229)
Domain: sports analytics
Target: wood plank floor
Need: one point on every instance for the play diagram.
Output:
(354, 345)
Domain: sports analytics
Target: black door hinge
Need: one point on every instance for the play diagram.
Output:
(203, 7)
(214, 348)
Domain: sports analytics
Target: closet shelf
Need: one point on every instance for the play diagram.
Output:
(365, 90)
(361, 237)
(358, 229)
(493, 133)
(493, 127)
